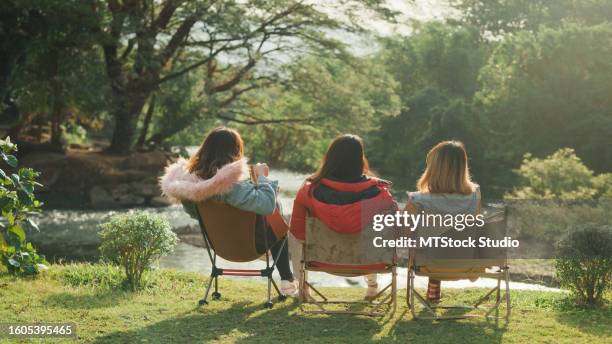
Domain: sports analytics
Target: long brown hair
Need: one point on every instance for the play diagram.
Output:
(447, 170)
(220, 147)
(345, 159)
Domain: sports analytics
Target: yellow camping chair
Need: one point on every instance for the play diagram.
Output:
(347, 255)
(229, 233)
(460, 264)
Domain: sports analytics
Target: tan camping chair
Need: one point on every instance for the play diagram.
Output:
(347, 255)
(230, 233)
(461, 264)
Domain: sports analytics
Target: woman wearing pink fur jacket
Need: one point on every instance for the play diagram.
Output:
(219, 170)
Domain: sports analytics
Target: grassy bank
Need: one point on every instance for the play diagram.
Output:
(166, 311)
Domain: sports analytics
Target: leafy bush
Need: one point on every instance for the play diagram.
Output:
(17, 203)
(584, 263)
(603, 184)
(561, 175)
(134, 241)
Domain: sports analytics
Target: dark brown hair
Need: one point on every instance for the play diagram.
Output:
(447, 170)
(220, 147)
(345, 159)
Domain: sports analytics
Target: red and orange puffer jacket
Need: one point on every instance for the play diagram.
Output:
(345, 207)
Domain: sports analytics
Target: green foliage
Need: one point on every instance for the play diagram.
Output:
(134, 241)
(444, 57)
(550, 89)
(603, 185)
(562, 175)
(74, 133)
(50, 76)
(584, 263)
(322, 98)
(17, 203)
(437, 70)
(293, 146)
(509, 16)
(400, 152)
(553, 197)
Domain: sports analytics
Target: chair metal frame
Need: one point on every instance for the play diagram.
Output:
(501, 274)
(381, 299)
(432, 309)
(385, 298)
(218, 271)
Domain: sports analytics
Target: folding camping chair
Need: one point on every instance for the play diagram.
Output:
(347, 255)
(230, 233)
(464, 263)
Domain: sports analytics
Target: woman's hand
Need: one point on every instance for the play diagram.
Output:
(261, 169)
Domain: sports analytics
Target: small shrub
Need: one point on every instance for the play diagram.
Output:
(584, 263)
(134, 241)
(561, 175)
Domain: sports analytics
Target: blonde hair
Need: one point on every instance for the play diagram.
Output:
(447, 170)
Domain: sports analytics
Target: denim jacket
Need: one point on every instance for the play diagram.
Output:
(260, 198)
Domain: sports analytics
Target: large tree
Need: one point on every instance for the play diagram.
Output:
(144, 40)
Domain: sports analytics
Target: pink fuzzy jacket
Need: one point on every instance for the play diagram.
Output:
(177, 184)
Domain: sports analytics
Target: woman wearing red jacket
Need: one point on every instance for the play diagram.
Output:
(334, 194)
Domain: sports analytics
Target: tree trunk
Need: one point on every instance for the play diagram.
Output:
(57, 97)
(146, 123)
(126, 112)
(56, 112)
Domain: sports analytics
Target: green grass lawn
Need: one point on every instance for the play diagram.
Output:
(166, 311)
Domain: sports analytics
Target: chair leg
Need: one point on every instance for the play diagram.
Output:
(394, 290)
(213, 275)
(410, 296)
(408, 288)
(216, 295)
(508, 306)
(269, 303)
(204, 301)
(498, 295)
(281, 297)
(302, 283)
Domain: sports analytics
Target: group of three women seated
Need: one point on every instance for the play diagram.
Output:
(333, 194)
